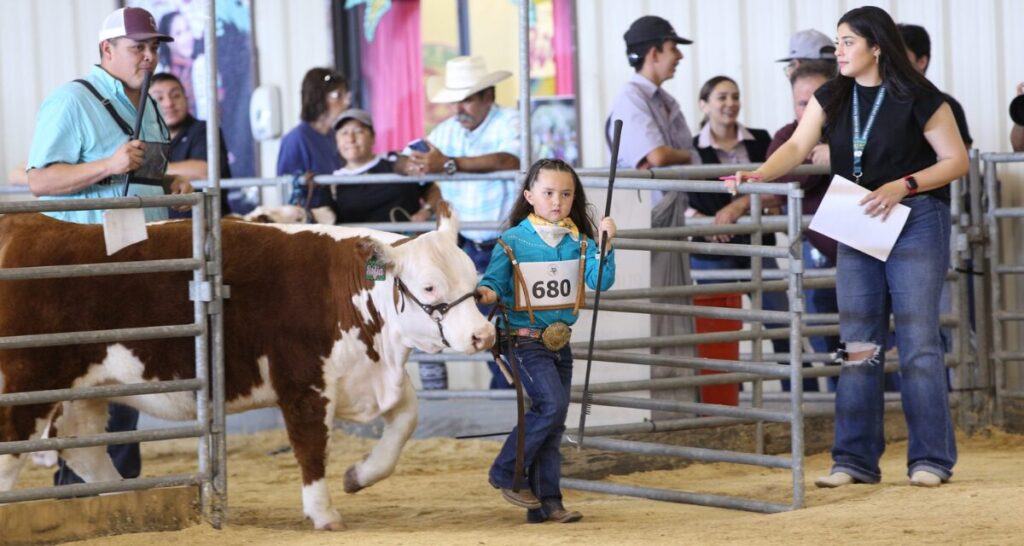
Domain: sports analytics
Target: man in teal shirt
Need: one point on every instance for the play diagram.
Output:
(83, 148)
(80, 149)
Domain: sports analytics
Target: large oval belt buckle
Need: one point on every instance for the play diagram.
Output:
(556, 336)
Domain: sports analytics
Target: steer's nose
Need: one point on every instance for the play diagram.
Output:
(484, 337)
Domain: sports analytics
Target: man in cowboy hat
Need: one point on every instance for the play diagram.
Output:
(481, 137)
(83, 148)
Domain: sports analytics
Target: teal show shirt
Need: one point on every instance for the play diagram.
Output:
(527, 246)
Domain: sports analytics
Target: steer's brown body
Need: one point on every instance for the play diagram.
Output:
(304, 329)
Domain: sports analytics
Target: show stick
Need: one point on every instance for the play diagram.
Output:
(585, 409)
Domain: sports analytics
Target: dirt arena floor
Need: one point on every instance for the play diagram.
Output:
(439, 496)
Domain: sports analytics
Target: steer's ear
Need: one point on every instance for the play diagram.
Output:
(447, 221)
(370, 248)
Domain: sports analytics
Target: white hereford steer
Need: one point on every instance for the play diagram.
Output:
(304, 329)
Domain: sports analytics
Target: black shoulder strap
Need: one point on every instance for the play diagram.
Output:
(165, 131)
(110, 107)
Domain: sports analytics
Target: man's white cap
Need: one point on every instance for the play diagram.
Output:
(134, 23)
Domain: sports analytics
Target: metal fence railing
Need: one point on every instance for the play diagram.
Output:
(752, 368)
(1005, 357)
(207, 394)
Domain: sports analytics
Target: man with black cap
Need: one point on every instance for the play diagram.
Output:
(654, 130)
(84, 148)
(655, 134)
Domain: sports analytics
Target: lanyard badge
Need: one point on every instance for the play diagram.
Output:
(860, 139)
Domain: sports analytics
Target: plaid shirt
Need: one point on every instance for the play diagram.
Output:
(480, 200)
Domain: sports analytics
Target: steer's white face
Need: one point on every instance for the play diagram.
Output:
(435, 270)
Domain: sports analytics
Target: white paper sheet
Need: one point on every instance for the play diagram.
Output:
(841, 217)
(122, 228)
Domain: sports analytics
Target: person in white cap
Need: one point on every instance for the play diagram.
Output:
(481, 137)
(84, 147)
(809, 47)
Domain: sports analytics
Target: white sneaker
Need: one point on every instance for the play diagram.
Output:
(835, 479)
(923, 478)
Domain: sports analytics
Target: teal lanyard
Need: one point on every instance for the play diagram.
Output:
(860, 139)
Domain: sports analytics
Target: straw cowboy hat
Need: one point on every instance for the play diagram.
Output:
(464, 76)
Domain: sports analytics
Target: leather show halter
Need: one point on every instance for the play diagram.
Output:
(436, 311)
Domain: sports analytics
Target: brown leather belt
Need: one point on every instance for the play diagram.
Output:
(527, 332)
(554, 337)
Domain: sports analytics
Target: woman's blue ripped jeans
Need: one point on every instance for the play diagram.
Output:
(909, 285)
(547, 378)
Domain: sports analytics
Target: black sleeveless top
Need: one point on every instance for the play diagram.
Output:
(896, 146)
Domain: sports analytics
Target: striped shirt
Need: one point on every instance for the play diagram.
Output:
(650, 118)
(480, 200)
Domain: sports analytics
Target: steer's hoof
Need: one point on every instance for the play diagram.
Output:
(352, 484)
(334, 526)
(328, 520)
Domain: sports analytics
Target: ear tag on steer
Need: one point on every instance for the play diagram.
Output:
(374, 270)
(122, 228)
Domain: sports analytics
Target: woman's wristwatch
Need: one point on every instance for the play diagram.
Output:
(910, 183)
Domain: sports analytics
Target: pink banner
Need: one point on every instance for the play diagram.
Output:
(564, 70)
(393, 72)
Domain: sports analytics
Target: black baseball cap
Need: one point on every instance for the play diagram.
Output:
(1017, 110)
(650, 28)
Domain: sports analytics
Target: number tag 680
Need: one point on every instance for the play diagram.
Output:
(550, 285)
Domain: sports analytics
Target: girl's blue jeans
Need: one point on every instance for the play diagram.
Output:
(547, 378)
(909, 286)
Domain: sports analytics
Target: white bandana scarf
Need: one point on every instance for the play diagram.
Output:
(552, 232)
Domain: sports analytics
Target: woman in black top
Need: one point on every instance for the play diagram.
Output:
(890, 131)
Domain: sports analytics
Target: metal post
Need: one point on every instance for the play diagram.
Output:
(218, 448)
(526, 153)
(219, 428)
(960, 254)
(202, 354)
(757, 303)
(991, 382)
(796, 307)
(981, 254)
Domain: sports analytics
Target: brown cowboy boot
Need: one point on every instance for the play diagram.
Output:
(553, 511)
(524, 498)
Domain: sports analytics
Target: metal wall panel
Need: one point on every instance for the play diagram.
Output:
(50, 42)
(973, 55)
(976, 57)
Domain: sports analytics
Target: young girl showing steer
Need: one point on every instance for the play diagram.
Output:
(538, 269)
